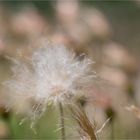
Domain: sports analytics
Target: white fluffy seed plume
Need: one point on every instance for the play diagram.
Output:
(53, 74)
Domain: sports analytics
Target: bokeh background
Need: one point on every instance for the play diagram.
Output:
(107, 31)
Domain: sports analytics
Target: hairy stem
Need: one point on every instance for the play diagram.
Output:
(62, 122)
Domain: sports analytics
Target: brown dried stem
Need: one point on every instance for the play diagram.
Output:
(86, 126)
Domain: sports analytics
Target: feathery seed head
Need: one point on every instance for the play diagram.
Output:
(54, 74)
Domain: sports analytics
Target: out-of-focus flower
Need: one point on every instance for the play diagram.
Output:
(79, 33)
(28, 22)
(115, 76)
(52, 75)
(67, 11)
(116, 55)
(97, 23)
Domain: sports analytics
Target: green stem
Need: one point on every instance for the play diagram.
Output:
(62, 122)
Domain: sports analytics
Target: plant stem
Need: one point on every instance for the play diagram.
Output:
(62, 122)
